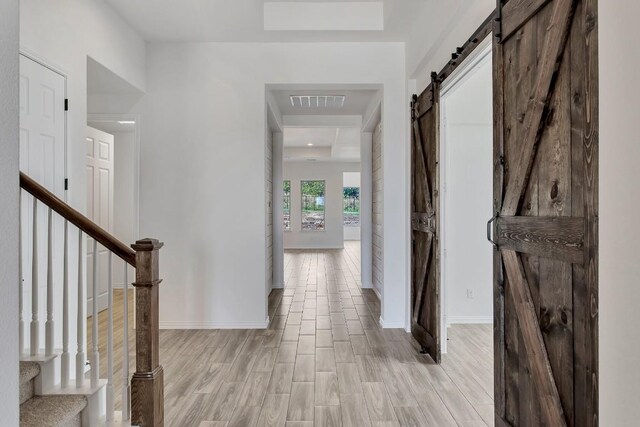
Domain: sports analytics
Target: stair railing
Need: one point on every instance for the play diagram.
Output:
(143, 396)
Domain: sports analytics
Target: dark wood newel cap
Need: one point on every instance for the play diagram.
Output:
(147, 244)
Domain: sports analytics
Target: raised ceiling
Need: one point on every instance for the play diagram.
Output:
(244, 21)
(355, 103)
(327, 143)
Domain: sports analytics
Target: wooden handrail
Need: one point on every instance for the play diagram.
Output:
(76, 218)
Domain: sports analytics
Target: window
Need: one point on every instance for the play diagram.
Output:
(312, 205)
(351, 206)
(286, 203)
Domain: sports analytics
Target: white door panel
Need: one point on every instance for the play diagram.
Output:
(99, 206)
(42, 157)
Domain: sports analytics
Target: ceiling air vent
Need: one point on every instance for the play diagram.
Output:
(317, 101)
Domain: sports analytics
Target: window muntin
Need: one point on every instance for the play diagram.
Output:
(313, 205)
(286, 206)
(351, 206)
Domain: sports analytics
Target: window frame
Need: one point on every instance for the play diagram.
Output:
(286, 196)
(324, 206)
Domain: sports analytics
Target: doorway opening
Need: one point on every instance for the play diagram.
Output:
(320, 181)
(466, 174)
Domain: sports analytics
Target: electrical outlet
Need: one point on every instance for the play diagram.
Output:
(469, 293)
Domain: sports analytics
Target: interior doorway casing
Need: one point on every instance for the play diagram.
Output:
(136, 161)
(477, 59)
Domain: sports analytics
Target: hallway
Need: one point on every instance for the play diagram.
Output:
(324, 361)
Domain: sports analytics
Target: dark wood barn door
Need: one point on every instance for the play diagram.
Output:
(425, 256)
(545, 197)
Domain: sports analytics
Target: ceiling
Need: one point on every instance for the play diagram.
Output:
(244, 21)
(355, 103)
(111, 126)
(327, 143)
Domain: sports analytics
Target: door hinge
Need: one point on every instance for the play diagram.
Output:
(66, 104)
(66, 183)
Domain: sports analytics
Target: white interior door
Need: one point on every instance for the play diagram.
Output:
(42, 157)
(99, 206)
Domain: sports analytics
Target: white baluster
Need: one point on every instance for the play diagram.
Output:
(126, 388)
(49, 330)
(110, 342)
(35, 324)
(80, 356)
(65, 358)
(20, 283)
(95, 356)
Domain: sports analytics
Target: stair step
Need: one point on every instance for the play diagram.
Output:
(52, 411)
(28, 371)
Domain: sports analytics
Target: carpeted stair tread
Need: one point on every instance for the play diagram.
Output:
(52, 411)
(28, 371)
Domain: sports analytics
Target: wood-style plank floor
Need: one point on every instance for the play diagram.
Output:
(324, 361)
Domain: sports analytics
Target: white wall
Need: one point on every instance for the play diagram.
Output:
(124, 224)
(467, 146)
(377, 209)
(278, 212)
(202, 170)
(366, 214)
(9, 213)
(268, 149)
(438, 29)
(619, 205)
(332, 174)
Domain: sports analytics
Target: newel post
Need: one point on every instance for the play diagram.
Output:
(147, 384)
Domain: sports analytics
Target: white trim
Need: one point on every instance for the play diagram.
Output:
(348, 121)
(470, 65)
(97, 117)
(179, 324)
(377, 291)
(472, 320)
(391, 325)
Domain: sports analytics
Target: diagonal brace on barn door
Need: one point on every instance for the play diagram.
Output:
(550, 404)
(552, 52)
(422, 276)
(423, 167)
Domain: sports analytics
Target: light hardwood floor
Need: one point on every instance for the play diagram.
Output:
(324, 361)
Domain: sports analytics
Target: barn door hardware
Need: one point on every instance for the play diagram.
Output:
(497, 29)
(490, 230)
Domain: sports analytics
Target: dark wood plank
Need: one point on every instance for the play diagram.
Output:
(147, 384)
(518, 12)
(591, 179)
(425, 290)
(548, 66)
(498, 282)
(561, 238)
(555, 309)
(423, 255)
(551, 406)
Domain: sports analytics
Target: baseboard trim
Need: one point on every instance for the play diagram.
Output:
(457, 320)
(213, 325)
(391, 325)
